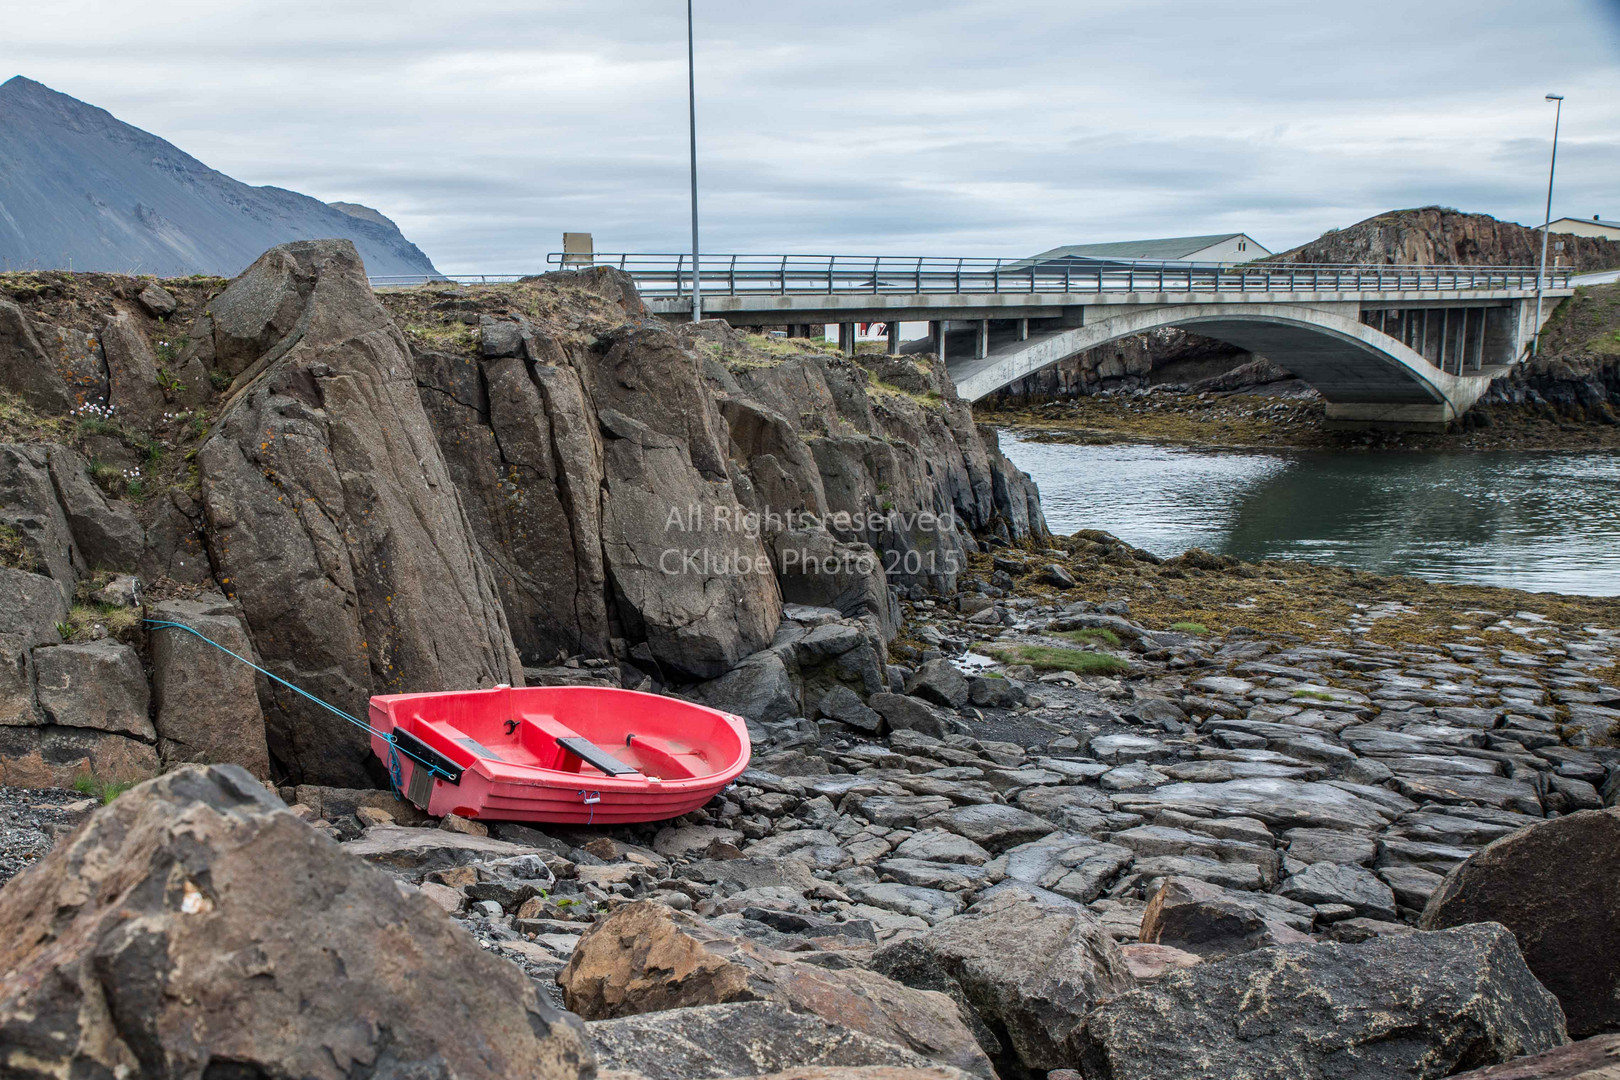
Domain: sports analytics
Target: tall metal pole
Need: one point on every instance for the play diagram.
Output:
(691, 117)
(1541, 275)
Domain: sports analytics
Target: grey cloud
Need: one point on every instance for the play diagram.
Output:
(487, 127)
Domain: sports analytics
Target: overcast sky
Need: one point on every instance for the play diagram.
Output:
(487, 127)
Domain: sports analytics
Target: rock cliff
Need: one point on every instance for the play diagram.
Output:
(436, 488)
(1440, 236)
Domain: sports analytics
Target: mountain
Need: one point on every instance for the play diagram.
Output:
(81, 190)
(1440, 236)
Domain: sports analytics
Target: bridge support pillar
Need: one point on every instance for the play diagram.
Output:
(893, 328)
(1023, 329)
(846, 338)
(936, 331)
(981, 340)
(1388, 417)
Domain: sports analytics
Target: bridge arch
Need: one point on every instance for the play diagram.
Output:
(1355, 368)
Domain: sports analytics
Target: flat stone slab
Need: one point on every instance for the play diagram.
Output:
(1285, 803)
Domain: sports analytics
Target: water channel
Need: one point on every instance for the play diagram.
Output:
(1545, 522)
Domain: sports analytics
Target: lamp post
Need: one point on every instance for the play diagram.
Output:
(1541, 274)
(691, 119)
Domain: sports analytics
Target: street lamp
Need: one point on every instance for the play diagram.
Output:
(691, 119)
(1535, 342)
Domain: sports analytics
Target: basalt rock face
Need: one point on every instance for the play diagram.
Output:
(332, 516)
(655, 493)
(195, 928)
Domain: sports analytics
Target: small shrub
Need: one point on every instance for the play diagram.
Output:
(168, 383)
(1190, 628)
(219, 380)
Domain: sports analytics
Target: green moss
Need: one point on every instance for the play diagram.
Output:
(1190, 627)
(1319, 695)
(1048, 658)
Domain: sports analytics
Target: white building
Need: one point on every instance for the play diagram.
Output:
(1215, 248)
(1606, 230)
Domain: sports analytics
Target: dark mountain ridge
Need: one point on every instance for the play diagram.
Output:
(82, 190)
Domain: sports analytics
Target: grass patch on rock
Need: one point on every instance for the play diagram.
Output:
(1190, 628)
(103, 791)
(1090, 635)
(1052, 658)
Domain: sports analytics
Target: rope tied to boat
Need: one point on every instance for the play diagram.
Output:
(395, 770)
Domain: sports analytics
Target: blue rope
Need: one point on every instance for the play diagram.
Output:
(355, 720)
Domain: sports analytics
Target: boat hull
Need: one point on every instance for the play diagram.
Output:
(504, 754)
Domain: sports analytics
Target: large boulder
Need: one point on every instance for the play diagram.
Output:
(740, 1039)
(1415, 1006)
(1556, 885)
(647, 957)
(1027, 971)
(760, 689)
(207, 702)
(333, 518)
(194, 928)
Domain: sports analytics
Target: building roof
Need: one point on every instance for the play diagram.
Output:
(1590, 221)
(1169, 247)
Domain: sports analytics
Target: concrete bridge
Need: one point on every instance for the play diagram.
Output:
(1402, 346)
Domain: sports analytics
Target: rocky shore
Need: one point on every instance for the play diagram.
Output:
(1019, 805)
(1083, 825)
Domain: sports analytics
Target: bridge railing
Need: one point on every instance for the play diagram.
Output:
(668, 276)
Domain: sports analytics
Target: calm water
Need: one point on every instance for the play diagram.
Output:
(1543, 522)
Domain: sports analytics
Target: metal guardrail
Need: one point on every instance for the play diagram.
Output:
(670, 276)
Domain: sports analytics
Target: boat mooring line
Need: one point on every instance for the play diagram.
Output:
(355, 720)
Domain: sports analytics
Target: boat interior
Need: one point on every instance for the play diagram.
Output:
(580, 730)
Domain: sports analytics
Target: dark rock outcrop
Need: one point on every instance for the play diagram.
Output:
(1418, 1006)
(194, 928)
(333, 518)
(1556, 885)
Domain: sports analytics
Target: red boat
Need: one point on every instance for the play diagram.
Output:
(576, 754)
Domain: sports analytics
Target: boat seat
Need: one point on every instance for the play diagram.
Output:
(573, 744)
(591, 754)
(686, 762)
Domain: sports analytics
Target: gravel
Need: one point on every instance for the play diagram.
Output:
(31, 819)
